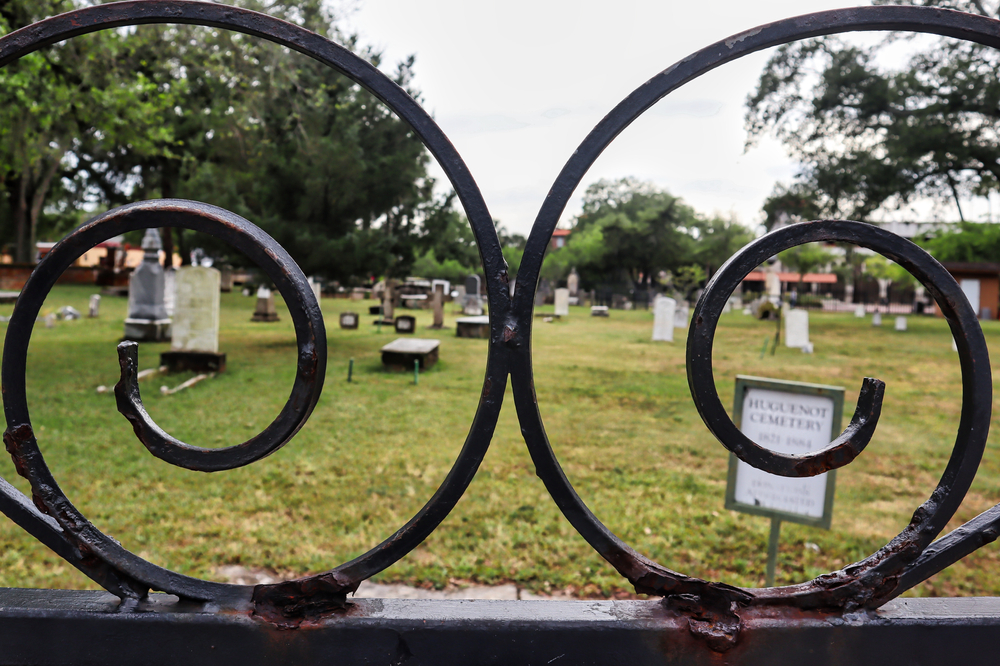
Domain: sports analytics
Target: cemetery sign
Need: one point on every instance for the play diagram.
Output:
(786, 417)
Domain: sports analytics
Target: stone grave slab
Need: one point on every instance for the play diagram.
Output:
(402, 352)
(349, 320)
(900, 323)
(473, 327)
(797, 329)
(599, 311)
(195, 333)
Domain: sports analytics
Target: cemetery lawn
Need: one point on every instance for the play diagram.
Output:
(616, 407)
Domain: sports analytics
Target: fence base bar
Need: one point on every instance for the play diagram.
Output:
(81, 627)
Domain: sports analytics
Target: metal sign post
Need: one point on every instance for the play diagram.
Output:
(786, 417)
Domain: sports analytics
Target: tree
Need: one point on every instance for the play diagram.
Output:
(869, 138)
(51, 101)
(804, 258)
(967, 241)
(631, 229)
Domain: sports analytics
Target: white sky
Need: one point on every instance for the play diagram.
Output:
(517, 85)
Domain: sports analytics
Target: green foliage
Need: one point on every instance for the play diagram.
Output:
(966, 241)
(805, 258)
(869, 138)
(630, 229)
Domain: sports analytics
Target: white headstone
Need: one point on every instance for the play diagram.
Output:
(664, 309)
(169, 290)
(900, 323)
(681, 315)
(317, 289)
(196, 309)
(562, 302)
(263, 292)
(877, 319)
(859, 311)
(95, 305)
(797, 328)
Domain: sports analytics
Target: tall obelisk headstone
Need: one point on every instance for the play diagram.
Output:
(147, 319)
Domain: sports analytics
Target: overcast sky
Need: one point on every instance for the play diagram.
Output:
(517, 85)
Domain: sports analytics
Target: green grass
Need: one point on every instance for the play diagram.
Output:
(616, 407)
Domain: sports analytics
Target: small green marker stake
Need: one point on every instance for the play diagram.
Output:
(416, 371)
(350, 371)
(772, 552)
(763, 350)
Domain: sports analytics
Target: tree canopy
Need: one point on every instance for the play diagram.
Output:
(872, 138)
(231, 120)
(630, 231)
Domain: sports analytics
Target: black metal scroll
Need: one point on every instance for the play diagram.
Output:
(714, 607)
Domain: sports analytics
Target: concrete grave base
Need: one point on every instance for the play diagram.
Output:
(473, 327)
(402, 352)
(193, 361)
(147, 330)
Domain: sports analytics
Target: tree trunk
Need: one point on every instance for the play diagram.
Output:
(21, 220)
(38, 200)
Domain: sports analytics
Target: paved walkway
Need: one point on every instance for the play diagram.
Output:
(240, 575)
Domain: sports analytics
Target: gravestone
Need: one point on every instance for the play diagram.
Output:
(169, 287)
(664, 310)
(405, 324)
(562, 302)
(265, 306)
(95, 306)
(618, 302)
(402, 352)
(317, 290)
(681, 315)
(859, 311)
(900, 323)
(147, 315)
(473, 327)
(473, 301)
(797, 329)
(877, 319)
(194, 342)
(388, 300)
(437, 304)
(226, 279)
(573, 282)
(349, 320)
(599, 311)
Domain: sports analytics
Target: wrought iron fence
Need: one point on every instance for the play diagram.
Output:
(696, 621)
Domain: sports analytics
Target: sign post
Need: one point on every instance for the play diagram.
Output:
(785, 417)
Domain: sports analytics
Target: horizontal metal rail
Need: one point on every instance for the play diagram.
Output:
(841, 616)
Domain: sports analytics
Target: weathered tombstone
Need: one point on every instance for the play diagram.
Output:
(95, 306)
(900, 323)
(265, 306)
(664, 309)
(194, 342)
(349, 320)
(562, 302)
(169, 290)
(797, 329)
(473, 327)
(317, 289)
(618, 301)
(473, 302)
(859, 311)
(599, 311)
(147, 316)
(226, 279)
(437, 304)
(388, 299)
(573, 282)
(401, 353)
(681, 315)
(877, 319)
(405, 324)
